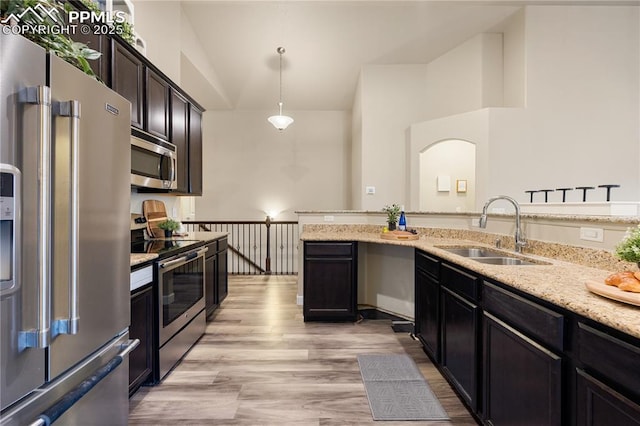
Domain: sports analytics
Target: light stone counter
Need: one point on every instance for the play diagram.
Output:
(559, 282)
(138, 258)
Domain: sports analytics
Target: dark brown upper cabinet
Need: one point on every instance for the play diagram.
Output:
(180, 137)
(157, 105)
(195, 151)
(127, 78)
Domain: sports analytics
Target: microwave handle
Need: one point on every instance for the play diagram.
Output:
(173, 168)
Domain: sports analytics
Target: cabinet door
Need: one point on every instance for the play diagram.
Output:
(329, 289)
(460, 319)
(210, 287)
(100, 43)
(127, 78)
(599, 405)
(195, 151)
(221, 276)
(179, 137)
(428, 313)
(522, 380)
(142, 321)
(157, 105)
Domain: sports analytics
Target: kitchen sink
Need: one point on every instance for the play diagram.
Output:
(473, 251)
(504, 261)
(490, 257)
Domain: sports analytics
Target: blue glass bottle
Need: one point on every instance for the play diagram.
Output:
(402, 222)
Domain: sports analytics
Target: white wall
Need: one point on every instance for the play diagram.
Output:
(466, 78)
(580, 123)
(392, 97)
(158, 23)
(251, 169)
(582, 117)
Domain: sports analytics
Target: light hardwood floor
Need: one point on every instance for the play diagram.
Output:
(260, 364)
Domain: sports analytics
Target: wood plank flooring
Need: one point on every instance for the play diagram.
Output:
(260, 364)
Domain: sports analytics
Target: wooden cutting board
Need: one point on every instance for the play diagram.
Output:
(613, 292)
(399, 236)
(155, 212)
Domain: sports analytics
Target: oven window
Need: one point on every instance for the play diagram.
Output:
(182, 287)
(145, 163)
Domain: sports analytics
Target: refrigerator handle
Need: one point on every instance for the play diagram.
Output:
(40, 337)
(71, 324)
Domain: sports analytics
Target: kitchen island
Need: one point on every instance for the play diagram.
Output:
(515, 341)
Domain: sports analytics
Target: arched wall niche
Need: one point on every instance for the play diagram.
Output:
(447, 176)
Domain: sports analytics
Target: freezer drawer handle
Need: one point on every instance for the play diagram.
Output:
(63, 404)
(40, 337)
(71, 324)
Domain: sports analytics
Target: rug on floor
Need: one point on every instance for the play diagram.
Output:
(397, 390)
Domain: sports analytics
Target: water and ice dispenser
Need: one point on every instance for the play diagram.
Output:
(9, 227)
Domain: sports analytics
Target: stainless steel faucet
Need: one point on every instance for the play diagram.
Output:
(519, 236)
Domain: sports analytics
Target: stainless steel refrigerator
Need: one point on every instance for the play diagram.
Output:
(64, 247)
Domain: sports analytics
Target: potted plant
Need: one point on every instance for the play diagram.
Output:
(629, 248)
(169, 226)
(393, 212)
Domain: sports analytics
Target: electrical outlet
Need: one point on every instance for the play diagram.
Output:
(475, 222)
(592, 234)
(370, 190)
(329, 218)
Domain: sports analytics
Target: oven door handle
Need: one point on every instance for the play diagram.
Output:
(183, 259)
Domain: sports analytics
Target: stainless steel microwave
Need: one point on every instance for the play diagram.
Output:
(153, 165)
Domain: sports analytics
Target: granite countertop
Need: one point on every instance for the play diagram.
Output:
(559, 282)
(138, 258)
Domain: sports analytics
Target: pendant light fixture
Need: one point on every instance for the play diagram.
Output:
(280, 121)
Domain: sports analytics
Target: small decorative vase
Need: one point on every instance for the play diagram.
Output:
(392, 226)
(168, 233)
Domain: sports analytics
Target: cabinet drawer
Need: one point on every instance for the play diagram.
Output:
(428, 264)
(615, 359)
(328, 249)
(212, 249)
(222, 244)
(459, 282)
(532, 319)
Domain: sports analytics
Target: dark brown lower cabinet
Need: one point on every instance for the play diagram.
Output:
(222, 281)
(522, 380)
(210, 279)
(460, 354)
(330, 281)
(428, 313)
(599, 405)
(215, 275)
(142, 320)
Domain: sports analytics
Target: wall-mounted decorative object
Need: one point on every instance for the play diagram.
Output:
(461, 185)
(443, 183)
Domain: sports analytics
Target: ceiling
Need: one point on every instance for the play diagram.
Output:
(327, 43)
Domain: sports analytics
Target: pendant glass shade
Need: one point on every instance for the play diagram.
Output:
(280, 121)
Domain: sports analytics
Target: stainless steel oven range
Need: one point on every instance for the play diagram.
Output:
(181, 315)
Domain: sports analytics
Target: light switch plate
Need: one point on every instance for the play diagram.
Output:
(370, 190)
(329, 218)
